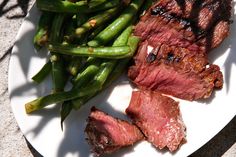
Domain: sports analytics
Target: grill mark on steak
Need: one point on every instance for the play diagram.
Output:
(159, 119)
(107, 134)
(201, 14)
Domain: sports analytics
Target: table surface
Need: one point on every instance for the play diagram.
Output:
(12, 141)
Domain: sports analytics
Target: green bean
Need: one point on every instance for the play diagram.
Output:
(118, 25)
(58, 73)
(118, 70)
(133, 44)
(96, 31)
(82, 79)
(69, 30)
(96, 21)
(58, 70)
(62, 6)
(41, 35)
(86, 75)
(94, 86)
(123, 38)
(43, 72)
(122, 63)
(120, 41)
(74, 65)
(66, 108)
(70, 7)
(88, 72)
(95, 3)
(100, 52)
(56, 35)
(107, 5)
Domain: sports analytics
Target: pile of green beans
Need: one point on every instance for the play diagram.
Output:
(90, 45)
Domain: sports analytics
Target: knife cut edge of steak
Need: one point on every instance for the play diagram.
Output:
(107, 134)
(159, 118)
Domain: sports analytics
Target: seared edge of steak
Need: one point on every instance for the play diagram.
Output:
(107, 134)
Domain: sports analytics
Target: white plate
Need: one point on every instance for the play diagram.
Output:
(42, 129)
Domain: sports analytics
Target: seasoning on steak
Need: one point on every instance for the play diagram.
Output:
(159, 119)
(176, 38)
(106, 134)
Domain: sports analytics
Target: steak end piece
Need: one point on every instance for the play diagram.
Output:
(107, 134)
(159, 118)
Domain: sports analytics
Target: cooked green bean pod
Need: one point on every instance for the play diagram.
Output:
(70, 7)
(43, 72)
(100, 52)
(42, 33)
(96, 21)
(118, 25)
(58, 68)
(95, 85)
(74, 65)
(120, 41)
(65, 110)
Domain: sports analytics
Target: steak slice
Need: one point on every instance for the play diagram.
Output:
(176, 36)
(175, 71)
(107, 134)
(159, 119)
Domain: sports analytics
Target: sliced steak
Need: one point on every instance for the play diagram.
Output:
(186, 23)
(106, 134)
(175, 71)
(159, 119)
(176, 37)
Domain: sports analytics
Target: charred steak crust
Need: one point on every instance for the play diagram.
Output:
(107, 134)
(159, 119)
(176, 38)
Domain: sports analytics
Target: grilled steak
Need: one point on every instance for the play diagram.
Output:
(175, 71)
(107, 134)
(176, 37)
(158, 117)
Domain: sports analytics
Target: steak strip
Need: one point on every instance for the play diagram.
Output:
(107, 134)
(159, 119)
